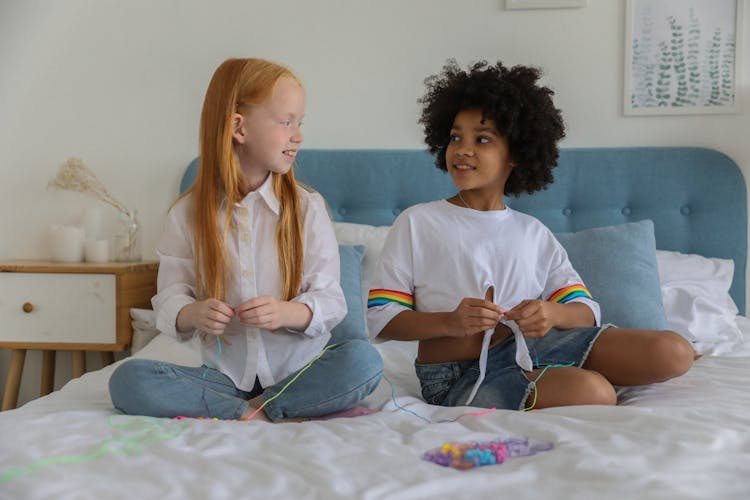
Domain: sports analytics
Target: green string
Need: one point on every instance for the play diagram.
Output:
(302, 370)
(140, 429)
(533, 382)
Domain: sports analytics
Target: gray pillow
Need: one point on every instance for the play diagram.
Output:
(353, 324)
(618, 266)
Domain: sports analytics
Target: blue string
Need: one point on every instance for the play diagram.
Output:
(393, 398)
(213, 361)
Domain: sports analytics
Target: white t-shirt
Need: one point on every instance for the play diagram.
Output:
(254, 269)
(437, 253)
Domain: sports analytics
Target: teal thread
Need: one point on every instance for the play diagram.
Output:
(472, 413)
(393, 398)
(216, 358)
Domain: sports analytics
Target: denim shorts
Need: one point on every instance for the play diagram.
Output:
(505, 385)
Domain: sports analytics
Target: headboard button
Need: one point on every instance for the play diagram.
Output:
(685, 210)
(626, 211)
(396, 211)
(342, 211)
(566, 211)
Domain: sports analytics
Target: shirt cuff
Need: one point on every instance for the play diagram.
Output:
(594, 306)
(166, 316)
(316, 326)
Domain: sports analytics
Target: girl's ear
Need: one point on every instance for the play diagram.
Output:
(238, 128)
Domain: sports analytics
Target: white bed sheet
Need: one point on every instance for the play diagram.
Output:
(688, 438)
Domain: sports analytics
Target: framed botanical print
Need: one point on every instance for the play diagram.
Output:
(681, 56)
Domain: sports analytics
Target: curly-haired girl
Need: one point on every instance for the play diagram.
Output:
(473, 280)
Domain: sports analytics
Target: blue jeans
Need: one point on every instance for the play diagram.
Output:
(505, 384)
(344, 375)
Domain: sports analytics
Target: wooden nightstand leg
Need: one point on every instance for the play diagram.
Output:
(108, 357)
(48, 373)
(79, 363)
(13, 383)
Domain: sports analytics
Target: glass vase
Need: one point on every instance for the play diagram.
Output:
(128, 239)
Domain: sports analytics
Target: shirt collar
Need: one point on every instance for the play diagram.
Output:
(266, 193)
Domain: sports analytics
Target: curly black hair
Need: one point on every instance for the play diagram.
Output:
(521, 109)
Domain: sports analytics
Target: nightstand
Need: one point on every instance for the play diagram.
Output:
(54, 306)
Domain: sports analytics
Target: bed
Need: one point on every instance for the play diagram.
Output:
(669, 225)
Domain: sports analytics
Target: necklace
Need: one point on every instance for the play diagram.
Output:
(464, 201)
(460, 196)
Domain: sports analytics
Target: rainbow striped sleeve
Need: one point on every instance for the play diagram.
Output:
(380, 296)
(568, 293)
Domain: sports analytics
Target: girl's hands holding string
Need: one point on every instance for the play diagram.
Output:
(533, 317)
(210, 316)
(271, 314)
(537, 317)
(474, 316)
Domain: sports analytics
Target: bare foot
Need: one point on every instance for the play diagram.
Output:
(252, 413)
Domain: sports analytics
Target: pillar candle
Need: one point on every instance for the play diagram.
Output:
(67, 243)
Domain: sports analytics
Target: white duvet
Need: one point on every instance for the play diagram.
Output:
(686, 438)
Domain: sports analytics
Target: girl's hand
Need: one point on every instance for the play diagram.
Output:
(474, 316)
(209, 316)
(264, 312)
(534, 317)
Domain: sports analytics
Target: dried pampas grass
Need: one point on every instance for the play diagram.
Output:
(75, 175)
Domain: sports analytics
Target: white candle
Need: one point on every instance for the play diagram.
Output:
(67, 243)
(96, 250)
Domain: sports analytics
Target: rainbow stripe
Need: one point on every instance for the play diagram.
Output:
(568, 293)
(380, 296)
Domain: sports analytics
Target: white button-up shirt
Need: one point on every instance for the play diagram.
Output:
(254, 271)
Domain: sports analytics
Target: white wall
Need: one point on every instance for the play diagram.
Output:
(121, 83)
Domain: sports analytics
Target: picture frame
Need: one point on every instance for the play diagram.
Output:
(682, 56)
(544, 4)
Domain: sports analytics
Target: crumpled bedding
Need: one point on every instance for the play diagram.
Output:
(685, 438)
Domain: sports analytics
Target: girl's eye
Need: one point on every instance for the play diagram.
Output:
(287, 123)
(454, 138)
(483, 140)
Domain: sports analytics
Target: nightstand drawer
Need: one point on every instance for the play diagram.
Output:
(53, 307)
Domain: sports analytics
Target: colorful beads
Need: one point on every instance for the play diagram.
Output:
(470, 454)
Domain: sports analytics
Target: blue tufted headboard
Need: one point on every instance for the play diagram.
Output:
(696, 197)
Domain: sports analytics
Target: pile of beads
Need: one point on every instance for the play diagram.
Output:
(470, 454)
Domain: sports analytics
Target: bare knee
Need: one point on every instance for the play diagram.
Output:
(597, 390)
(572, 386)
(673, 355)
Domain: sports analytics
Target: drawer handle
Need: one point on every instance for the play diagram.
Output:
(28, 307)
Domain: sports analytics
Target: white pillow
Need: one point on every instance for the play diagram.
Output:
(695, 293)
(372, 238)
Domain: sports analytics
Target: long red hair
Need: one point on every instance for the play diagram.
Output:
(235, 82)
